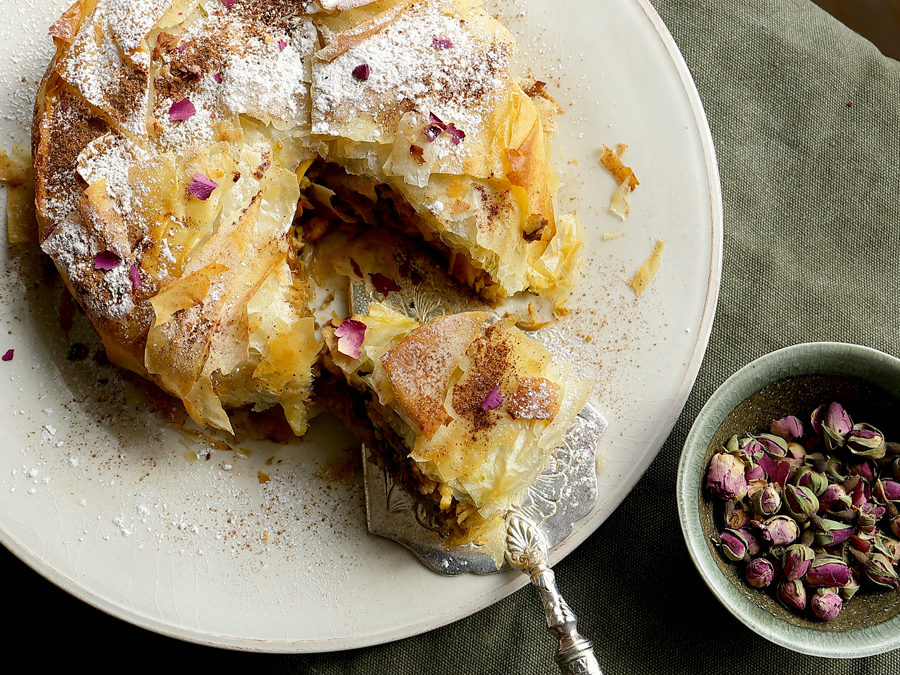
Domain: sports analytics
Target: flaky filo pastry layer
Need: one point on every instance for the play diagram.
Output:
(204, 295)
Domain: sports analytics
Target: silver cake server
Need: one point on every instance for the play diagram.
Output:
(565, 492)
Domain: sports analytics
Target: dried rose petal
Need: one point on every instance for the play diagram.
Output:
(182, 110)
(350, 336)
(361, 72)
(135, 275)
(789, 428)
(8, 355)
(456, 135)
(106, 260)
(442, 43)
(281, 45)
(228, 3)
(778, 470)
(437, 120)
(201, 186)
(218, 77)
(432, 131)
(493, 400)
(384, 284)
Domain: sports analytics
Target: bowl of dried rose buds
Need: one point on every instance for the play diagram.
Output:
(789, 498)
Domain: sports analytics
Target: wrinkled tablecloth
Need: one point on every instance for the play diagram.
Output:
(805, 115)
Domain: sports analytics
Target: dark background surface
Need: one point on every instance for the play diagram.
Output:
(812, 231)
(878, 20)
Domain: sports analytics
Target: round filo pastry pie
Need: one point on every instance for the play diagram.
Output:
(177, 145)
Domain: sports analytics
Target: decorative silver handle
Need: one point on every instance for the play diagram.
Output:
(526, 550)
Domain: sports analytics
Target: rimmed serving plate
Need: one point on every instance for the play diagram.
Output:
(263, 547)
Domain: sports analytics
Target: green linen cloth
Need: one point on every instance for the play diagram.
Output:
(805, 115)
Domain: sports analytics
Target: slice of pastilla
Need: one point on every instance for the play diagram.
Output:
(470, 409)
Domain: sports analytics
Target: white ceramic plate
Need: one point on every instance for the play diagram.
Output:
(98, 494)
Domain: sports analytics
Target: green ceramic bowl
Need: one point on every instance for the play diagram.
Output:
(794, 380)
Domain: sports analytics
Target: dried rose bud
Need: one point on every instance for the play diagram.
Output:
(895, 467)
(815, 481)
(766, 502)
(788, 428)
(755, 474)
(861, 494)
(888, 546)
(754, 546)
(887, 490)
(759, 573)
(835, 498)
(736, 516)
(826, 571)
(881, 572)
(836, 426)
(817, 418)
(734, 546)
(775, 446)
(725, 478)
(792, 594)
(780, 530)
(752, 448)
(849, 589)
(796, 452)
(864, 440)
(834, 469)
(796, 560)
(825, 603)
(800, 501)
(860, 542)
(864, 469)
(831, 532)
(895, 525)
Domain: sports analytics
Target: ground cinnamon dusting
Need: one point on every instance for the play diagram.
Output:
(490, 363)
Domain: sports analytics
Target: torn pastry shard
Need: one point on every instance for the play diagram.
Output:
(612, 162)
(468, 410)
(648, 270)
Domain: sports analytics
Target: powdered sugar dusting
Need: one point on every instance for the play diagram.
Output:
(406, 71)
(110, 157)
(94, 66)
(130, 21)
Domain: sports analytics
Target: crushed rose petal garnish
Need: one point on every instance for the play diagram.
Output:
(106, 260)
(456, 135)
(201, 186)
(493, 400)
(281, 45)
(182, 110)
(350, 336)
(218, 77)
(8, 356)
(384, 284)
(432, 131)
(362, 72)
(135, 276)
(442, 43)
(228, 3)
